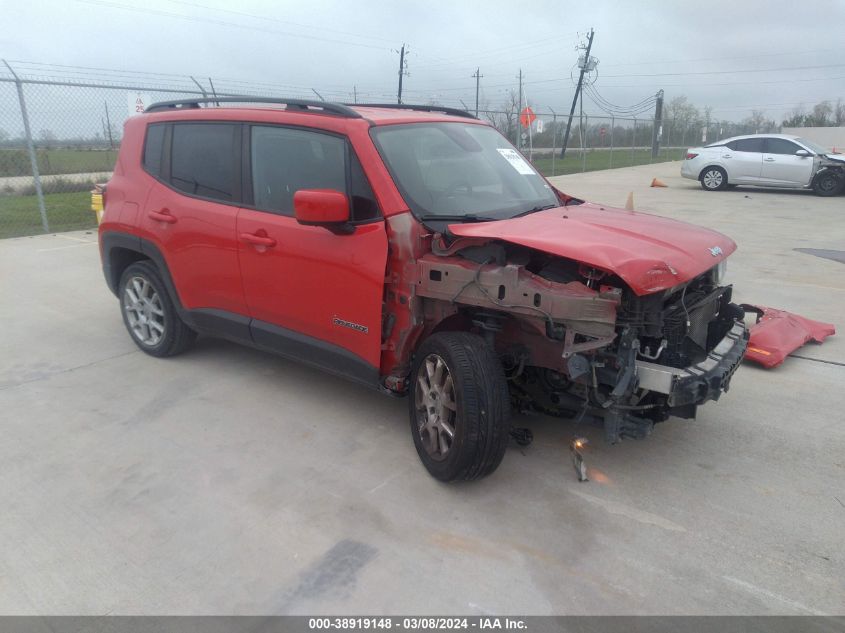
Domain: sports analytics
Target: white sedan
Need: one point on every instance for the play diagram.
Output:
(765, 160)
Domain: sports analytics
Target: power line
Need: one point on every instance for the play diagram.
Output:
(189, 18)
(272, 19)
(731, 72)
(713, 59)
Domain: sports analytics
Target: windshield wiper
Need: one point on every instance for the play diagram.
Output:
(468, 217)
(535, 209)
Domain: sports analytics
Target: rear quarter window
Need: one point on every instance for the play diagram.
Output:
(154, 149)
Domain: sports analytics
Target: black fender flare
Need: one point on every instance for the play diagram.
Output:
(111, 240)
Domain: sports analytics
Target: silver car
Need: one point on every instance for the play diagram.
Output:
(766, 160)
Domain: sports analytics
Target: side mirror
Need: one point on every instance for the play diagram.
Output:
(322, 207)
(803, 153)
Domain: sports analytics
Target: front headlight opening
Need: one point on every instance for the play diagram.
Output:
(719, 272)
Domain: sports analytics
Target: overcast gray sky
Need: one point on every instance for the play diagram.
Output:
(711, 51)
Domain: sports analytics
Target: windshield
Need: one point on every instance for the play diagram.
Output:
(460, 170)
(814, 147)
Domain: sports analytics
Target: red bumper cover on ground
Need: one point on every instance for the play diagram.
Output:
(778, 333)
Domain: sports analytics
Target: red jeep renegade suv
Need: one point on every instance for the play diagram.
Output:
(414, 250)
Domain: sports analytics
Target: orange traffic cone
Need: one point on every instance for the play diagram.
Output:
(629, 203)
(658, 183)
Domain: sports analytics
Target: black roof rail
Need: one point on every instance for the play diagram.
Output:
(421, 108)
(337, 109)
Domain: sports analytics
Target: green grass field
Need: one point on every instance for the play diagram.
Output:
(15, 162)
(602, 159)
(19, 215)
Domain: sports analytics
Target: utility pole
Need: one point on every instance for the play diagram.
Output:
(658, 125)
(577, 93)
(518, 111)
(478, 77)
(355, 94)
(402, 72)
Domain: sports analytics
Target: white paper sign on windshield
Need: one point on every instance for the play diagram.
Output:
(516, 161)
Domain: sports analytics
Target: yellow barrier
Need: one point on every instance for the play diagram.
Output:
(97, 201)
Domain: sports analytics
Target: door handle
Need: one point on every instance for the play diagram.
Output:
(162, 216)
(726, 155)
(258, 240)
(769, 160)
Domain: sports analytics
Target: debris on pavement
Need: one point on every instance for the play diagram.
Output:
(658, 183)
(778, 333)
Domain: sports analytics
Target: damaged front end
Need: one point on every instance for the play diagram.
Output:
(576, 341)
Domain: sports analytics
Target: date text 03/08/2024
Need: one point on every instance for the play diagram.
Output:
(415, 623)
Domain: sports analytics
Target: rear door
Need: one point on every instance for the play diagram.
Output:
(190, 214)
(312, 293)
(782, 167)
(744, 160)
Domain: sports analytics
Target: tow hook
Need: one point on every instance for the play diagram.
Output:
(575, 447)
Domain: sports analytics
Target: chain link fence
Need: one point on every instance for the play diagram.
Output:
(60, 136)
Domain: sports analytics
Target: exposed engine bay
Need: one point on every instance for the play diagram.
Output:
(575, 341)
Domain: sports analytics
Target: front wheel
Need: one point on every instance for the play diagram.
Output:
(829, 183)
(459, 407)
(714, 179)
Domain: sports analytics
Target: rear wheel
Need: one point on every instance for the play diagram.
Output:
(829, 183)
(714, 179)
(459, 407)
(149, 314)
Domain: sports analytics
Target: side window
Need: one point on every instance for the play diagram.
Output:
(153, 149)
(732, 145)
(203, 160)
(780, 146)
(750, 145)
(285, 160)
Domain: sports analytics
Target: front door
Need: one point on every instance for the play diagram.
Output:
(782, 167)
(313, 294)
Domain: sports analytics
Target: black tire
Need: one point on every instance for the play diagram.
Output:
(829, 183)
(175, 337)
(480, 417)
(713, 178)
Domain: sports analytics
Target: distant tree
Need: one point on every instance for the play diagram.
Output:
(822, 114)
(47, 137)
(682, 112)
(795, 117)
(839, 113)
(758, 123)
(505, 119)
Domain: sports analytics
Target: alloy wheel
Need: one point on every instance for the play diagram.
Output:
(436, 407)
(712, 179)
(144, 311)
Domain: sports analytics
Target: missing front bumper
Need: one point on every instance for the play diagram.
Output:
(701, 382)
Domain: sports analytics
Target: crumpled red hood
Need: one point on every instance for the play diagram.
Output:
(649, 252)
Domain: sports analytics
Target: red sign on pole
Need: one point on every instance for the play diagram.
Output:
(603, 131)
(527, 117)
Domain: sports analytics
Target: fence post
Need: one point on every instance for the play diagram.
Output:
(554, 139)
(634, 143)
(612, 125)
(584, 143)
(33, 160)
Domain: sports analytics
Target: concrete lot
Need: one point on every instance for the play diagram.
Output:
(230, 481)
